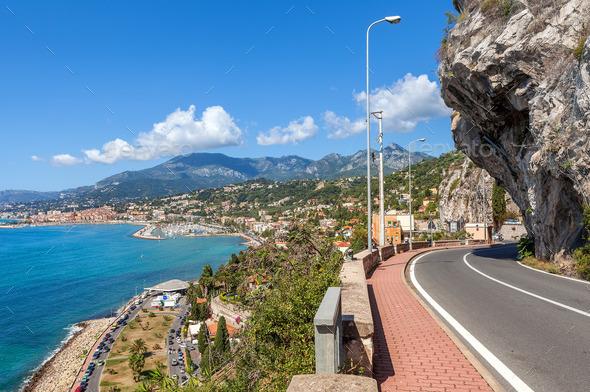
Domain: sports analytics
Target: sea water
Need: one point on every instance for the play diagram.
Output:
(54, 277)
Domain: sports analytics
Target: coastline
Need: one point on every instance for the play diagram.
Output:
(61, 371)
(145, 233)
(56, 374)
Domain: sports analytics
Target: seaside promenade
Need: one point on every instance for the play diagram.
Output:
(412, 351)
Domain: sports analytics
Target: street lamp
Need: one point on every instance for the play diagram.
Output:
(410, 183)
(392, 20)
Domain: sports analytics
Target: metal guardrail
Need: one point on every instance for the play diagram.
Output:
(328, 333)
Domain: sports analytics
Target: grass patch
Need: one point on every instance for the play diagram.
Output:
(112, 362)
(541, 265)
(153, 331)
(123, 377)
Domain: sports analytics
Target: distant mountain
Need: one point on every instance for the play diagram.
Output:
(20, 196)
(207, 170)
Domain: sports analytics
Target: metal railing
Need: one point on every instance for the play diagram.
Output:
(328, 333)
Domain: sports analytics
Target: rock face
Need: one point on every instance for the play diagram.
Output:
(517, 74)
(466, 195)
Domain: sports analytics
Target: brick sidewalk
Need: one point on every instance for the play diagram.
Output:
(412, 352)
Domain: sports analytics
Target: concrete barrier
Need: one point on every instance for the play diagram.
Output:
(331, 383)
(401, 248)
(357, 319)
(447, 243)
(478, 242)
(370, 260)
(386, 252)
(420, 244)
(328, 333)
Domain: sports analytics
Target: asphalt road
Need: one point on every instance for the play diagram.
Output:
(94, 379)
(535, 324)
(178, 369)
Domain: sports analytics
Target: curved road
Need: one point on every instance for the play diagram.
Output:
(530, 329)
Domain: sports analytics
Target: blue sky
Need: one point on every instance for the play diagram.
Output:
(93, 89)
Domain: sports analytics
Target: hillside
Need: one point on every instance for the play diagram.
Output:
(207, 170)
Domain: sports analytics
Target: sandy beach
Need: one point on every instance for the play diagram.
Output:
(57, 374)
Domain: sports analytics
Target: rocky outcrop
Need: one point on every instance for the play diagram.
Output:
(517, 74)
(465, 195)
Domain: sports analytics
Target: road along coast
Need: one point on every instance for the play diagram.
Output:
(57, 373)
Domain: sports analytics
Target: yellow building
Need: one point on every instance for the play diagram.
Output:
(393, 231)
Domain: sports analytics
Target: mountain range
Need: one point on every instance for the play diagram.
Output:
(188, 173)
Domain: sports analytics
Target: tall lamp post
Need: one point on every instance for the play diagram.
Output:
(379, 116)
(410, 183)
(392, 20)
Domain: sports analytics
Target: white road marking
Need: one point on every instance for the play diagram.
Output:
(582, 312)
(512, 378)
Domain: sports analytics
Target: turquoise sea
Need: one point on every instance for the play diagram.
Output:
(54, 277)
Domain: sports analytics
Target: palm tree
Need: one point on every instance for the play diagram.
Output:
(157, 375)
(138, 347)
(136, 363)
(191, 293)
(146, 386)
(169, 384)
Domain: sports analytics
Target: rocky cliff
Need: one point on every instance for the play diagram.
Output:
(466, 195)
(517, 74)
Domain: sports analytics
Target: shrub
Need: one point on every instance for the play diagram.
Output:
(579, 49)
(582, 255)
(497, 7)
(526, 247)
(151, 314)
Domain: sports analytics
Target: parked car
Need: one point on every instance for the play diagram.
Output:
(174, 363)
(80, 389)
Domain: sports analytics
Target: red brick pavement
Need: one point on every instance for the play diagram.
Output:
(412, 352)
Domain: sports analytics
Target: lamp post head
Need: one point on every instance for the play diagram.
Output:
(422, 140)
(393, 19)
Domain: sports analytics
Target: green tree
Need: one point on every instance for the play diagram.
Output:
(207, 271)
(138, 347)
(359, 240)
(146, 386)
(498, 205)
(157, 374)
(221, 344)
(136, 363)
(191, 293)
(207, 363)
(202, 342)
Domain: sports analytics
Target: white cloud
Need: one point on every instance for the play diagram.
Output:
(37, 159)
(297, 131)
(342, 127)
(64, 160)
(405, 103)
(179, 134)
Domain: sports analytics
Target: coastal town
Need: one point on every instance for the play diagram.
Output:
(174, 325)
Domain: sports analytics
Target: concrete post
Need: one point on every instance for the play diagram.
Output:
(328, 333)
